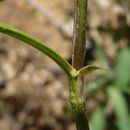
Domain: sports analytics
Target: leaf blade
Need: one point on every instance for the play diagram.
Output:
(88, 69)
(120, 107)
(98, 119)
(20, 35)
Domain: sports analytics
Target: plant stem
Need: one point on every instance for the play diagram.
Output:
(14, 32)
(78, 105)
(79, 39)
(79, 48)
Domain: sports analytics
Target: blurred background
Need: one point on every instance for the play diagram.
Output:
(33, 89)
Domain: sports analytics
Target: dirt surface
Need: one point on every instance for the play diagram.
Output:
(23, 69)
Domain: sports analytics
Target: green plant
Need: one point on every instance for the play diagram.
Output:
(116, 87)
(76, 71)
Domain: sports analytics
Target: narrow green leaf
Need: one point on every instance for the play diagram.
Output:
(88, 69)
(18, 34)
(97, 121)
(100, 56)
(100, 83)
(121, 108)
(122, 69)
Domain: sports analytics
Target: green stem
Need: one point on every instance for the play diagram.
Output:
(79, 40)
(79, 48)
(14, 32)
(78, 105)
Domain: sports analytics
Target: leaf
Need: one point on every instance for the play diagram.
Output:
(18, 34)
(100, 83)
(100, 56)
(120, 107)
(97, 121)
(88, 69)
(122, 69)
